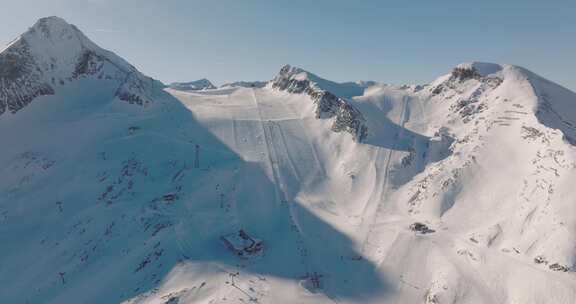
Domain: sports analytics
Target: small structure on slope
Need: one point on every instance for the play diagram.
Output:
(242, 244)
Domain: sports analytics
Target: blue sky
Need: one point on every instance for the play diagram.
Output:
(390, 41)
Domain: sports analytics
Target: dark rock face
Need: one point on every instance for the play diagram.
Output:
(461, 74)
(27, 73)
(472, 105)
(89, 63)
(135, 90)
(552, 266)
(421, 228)
(558, 267)
(540, 260)
(347, 118)
(20, 80)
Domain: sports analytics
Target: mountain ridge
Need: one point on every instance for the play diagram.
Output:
(201, 84)
(53, 53)
(116, 189)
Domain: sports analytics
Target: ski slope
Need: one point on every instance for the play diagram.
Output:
(117, 189)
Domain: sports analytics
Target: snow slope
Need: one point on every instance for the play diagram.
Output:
(105, 199)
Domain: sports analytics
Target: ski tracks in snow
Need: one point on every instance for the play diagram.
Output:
(380, 197)
(307, 137)
(281, 194)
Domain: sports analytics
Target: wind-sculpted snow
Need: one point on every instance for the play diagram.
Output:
(328, 105)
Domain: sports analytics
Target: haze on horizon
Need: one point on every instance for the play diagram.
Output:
(409, 42)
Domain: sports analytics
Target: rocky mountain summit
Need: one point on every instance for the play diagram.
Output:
(53, 53)
(347, 118)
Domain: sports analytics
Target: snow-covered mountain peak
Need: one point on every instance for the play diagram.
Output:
(289, 70)
(481, 68)
(53, 28)
(343, 90)
(327, 97)
(474, 87)
(485, 71)
(53, 41)
(460, 191)
(54, 53)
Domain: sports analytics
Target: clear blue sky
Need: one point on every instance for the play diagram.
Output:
(390, 41)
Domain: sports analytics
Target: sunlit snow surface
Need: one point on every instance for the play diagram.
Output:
(102, 201)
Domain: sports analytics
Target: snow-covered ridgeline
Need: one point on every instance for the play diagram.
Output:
(462, 192)
(346, 117)
(53, 53)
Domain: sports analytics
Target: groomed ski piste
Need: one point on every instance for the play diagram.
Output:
(460, 192)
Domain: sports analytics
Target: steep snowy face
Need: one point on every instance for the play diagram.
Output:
(114, 203)
(76, 143)
(202, 84)
(459, 193)
(344, 90)
(513, 156)
(53, 53)
(555, 108)
(328, 105)
(496, 206)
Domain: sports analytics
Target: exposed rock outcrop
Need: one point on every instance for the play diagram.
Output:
(53, 53)
(480, 76)
(464, 73)
(346, 117)
(20, 79)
